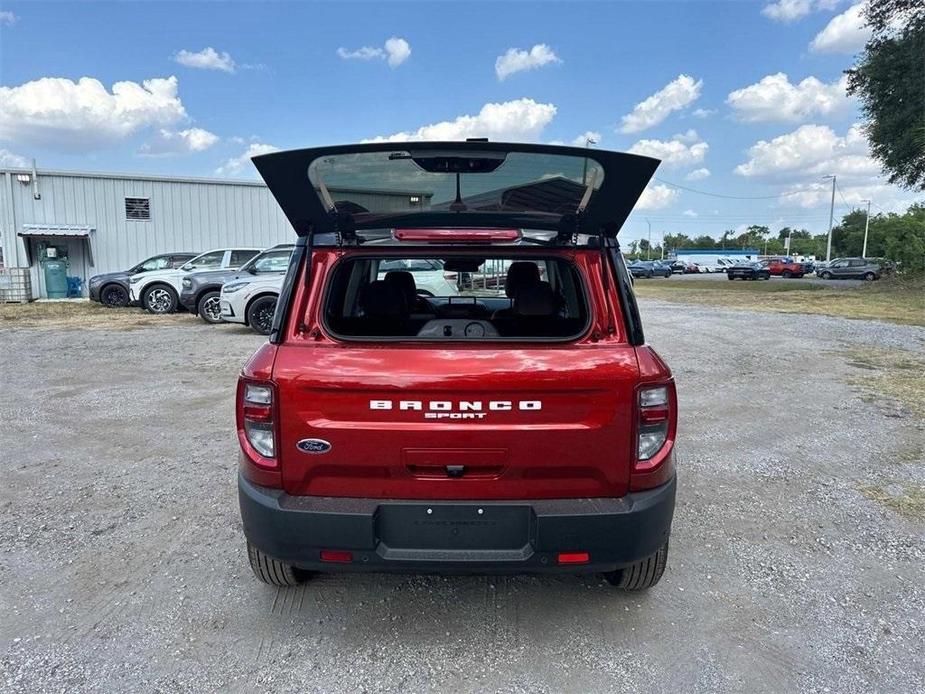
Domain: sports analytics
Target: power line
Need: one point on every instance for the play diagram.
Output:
(730, 197)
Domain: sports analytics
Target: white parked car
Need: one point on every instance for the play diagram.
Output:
(251, 298)
(159, 291)
(429, 276)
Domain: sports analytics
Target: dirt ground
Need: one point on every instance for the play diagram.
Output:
(797, 559)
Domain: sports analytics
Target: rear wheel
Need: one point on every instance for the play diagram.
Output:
(159, 299)
(786, 274)
(114, 296)
(643, 574)
(209, 307)
(274, 572)
(869, 277)
(260, 314)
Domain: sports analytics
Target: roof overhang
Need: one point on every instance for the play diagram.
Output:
(59, 230)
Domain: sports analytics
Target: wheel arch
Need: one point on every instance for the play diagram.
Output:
(250, 302)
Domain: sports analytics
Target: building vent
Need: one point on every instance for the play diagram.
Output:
(137, 208)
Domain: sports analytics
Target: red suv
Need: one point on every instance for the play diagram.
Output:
(519, 424)
(785, 267)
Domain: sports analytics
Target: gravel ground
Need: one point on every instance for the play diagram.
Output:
(122, 563)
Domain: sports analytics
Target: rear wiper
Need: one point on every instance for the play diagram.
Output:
(458, 205)
(587, 194)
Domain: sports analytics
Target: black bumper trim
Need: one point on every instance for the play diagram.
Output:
(615, 532)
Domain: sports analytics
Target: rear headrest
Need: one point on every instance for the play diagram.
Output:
(535, 299)
(404, 280)
(381, 299)
(519, 274)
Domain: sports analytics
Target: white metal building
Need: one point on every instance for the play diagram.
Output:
(109, 222)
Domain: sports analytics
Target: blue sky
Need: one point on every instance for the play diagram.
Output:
(747, 91)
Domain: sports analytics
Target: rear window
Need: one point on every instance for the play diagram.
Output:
(456, 298)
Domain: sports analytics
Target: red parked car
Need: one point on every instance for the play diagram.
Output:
(520, 427)
(785, 267)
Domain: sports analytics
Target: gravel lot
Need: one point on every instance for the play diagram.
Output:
(122, 563)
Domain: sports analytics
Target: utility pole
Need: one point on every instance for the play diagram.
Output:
(828, 248)
(584, 170)
(866, 229)
(649, 247)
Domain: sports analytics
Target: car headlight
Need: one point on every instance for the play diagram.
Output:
(187, 283)
(134, 280)
(233, 287)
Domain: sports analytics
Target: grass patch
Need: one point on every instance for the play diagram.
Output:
(80, 314)
(893, 300)
(894, 373)
(906, 498)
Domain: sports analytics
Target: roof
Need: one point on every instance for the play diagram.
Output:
(137, 177)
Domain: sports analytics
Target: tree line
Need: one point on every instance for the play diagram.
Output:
(898, 237)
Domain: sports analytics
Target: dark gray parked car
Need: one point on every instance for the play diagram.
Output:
(111, 288)
(851, 268)
(201, 290)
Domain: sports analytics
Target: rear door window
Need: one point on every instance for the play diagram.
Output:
(456, 298)
(239, 257)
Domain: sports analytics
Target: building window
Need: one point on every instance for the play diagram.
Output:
(137, 209)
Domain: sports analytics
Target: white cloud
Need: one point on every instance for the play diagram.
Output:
(519, 120)
(846, 33)
(774, 98)
(395, 51)
(811, 151)
(206, 59)
(656, 197)
(81, 116)
(517, 60)
(791, 10)
(697, 175)
(9, 160)
(580, 140)
(179, 142)
(673, 96)
(690, 213)
(684, 150)
(240, 164)
(703, 112)
(7, 18)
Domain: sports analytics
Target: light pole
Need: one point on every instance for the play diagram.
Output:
(866, 229)
(828, 248)
(584, 170)
(649, 247)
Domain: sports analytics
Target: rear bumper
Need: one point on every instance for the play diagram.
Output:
(453, 536)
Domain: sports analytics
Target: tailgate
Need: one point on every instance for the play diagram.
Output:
(460, 423)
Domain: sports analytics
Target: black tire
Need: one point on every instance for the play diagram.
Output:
(260, 314)
(208, 307)
(786, 274)
(273, 572)
(643, 574)
(826, 276)
(114, 296)
(159, 299)
(730, 277)
(869, 277)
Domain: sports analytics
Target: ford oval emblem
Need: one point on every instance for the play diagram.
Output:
(313, 446)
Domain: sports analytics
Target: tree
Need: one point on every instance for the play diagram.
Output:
(888, 79)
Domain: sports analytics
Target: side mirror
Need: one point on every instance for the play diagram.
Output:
(252, 269)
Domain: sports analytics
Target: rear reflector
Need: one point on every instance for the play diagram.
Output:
(337, 555)
(464, 235)
(574, 557)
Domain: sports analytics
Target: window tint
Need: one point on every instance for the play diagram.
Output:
(207, 261)
(459, 298)
(273, 261)
(178, 260)
(239, 257)
(856, 262)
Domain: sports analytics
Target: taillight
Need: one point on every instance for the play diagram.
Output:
(257, 430)
(655, 432)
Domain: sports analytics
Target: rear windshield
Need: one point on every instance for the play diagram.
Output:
(456, 298)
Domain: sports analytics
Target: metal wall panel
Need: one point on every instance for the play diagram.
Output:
(186, 215)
